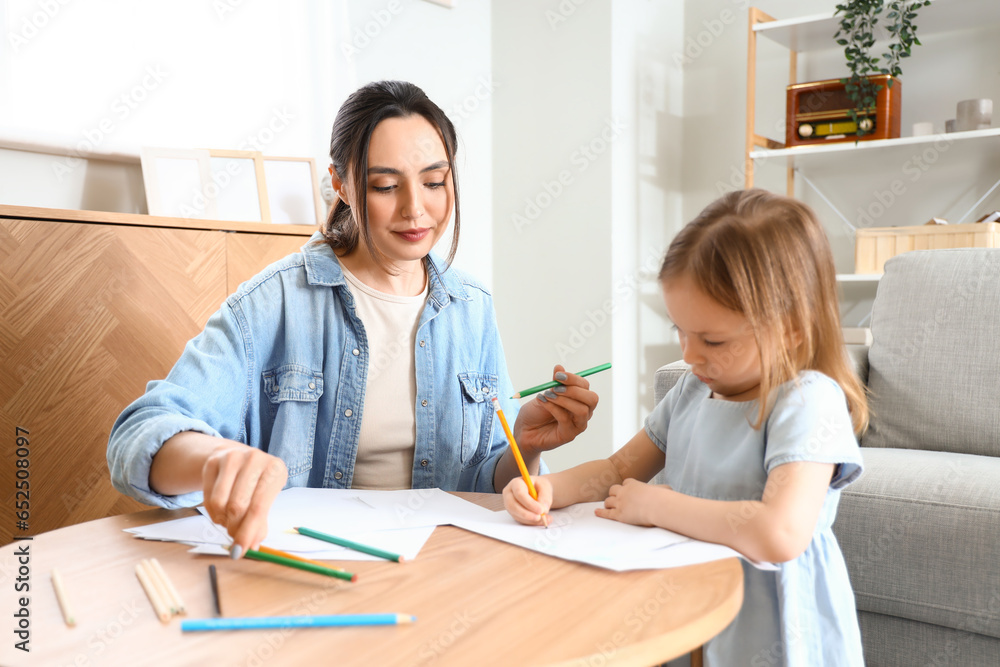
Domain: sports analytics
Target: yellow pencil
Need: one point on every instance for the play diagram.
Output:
(517, 456)
(61, 597)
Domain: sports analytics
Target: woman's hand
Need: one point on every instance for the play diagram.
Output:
(240, 485)
(630, 502)
(519, 503)
(555, 416)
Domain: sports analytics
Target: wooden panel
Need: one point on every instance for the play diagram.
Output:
(90, 313)
(247, 254)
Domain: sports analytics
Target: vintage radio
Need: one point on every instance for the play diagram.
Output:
(819, 112)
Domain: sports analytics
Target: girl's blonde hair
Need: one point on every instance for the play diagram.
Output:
(768, 257)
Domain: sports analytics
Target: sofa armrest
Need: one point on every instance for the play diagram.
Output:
(667, 376)
(859, 356)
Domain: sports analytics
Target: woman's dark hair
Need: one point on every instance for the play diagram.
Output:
(363, 110)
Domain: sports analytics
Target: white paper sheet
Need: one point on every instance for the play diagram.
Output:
(396, 521)
(576, 533)
(402, 522)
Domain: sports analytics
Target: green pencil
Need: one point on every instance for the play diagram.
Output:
(549, 385)
(301, 565)
(363, 548)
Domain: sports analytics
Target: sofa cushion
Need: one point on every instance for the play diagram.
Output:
(890, 641)
(919, 532)
(934, 371)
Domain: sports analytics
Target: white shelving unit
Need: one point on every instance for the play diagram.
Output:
(803, 154)
(815, 33)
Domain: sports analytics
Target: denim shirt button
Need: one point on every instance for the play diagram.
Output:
(421, 343)
(348, 412)
(338, 475)
(424, 402)
(424, 463)
(486, 389)
(356, 351)
(312, 385)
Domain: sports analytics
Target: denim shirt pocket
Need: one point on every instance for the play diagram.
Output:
(293, 393)
(478, 390)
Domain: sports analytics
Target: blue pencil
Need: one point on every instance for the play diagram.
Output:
(273, 622)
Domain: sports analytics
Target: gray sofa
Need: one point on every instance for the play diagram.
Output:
(920, 530)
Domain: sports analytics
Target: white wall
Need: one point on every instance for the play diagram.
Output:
(552, 196)
(447, 52)
(586, 171)
(116, 76)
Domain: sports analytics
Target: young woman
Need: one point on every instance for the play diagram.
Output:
(757, 438)
(363, 361)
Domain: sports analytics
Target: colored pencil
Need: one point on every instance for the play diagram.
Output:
(300, 565)
(159, 606)
(172, 593)
(278, 622)
(355, 546)
(517, 455)
(159, 585)
(549, 385)
(285, 554)
(67, 612)
(213, 579)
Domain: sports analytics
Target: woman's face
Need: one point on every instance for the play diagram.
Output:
(410, 191)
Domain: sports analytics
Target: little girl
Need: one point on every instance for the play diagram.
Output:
(757, 439)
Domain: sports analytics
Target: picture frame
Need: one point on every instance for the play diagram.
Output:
(293, 190)
(175, 182)
(237, 184)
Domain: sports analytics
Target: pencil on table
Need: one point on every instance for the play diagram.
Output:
(551, 384)
(285, 554)
(281, 622)
(159, 606)
(300, 565)
(517, 456)
(160, 586)
(175, 597)
(67, 612)
(214, 580)
(355, 546)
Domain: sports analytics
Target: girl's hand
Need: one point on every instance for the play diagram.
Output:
(525, 509)
(240, 485)
(629, 502)
(555, 416)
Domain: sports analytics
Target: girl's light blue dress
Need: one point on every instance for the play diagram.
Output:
(803, 614)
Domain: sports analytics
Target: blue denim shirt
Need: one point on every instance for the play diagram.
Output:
(282, 366)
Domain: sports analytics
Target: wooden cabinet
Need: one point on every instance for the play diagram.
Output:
(92, 307)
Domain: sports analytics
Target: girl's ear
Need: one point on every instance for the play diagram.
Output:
(793, 337)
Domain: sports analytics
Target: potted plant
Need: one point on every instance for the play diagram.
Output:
(858, 24)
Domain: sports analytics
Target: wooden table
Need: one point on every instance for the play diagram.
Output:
(477, 601)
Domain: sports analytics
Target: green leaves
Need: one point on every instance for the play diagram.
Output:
(859, 20)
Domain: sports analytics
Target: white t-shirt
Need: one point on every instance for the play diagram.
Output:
(388, 420)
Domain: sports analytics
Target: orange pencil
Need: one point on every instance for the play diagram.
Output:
(517, 456)
(285, 554)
